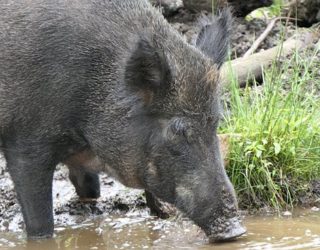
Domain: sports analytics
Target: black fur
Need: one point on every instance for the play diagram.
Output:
(109, 85)
(214, 36)
(147, 68)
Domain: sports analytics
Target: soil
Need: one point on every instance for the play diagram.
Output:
(115, 198)
(243, 33)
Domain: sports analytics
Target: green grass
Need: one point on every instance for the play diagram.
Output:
(272, 11)
(275, 135)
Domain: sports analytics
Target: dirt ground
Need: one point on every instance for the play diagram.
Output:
(243, 33)
(115, 198)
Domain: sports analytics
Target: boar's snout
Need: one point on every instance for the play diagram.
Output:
(227, 226)
(226, 230)
(220, 220)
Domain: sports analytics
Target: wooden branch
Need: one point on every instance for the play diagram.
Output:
(266, 32)
(261, 38)
(244, 69)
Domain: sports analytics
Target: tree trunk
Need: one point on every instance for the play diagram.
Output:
(240, 8)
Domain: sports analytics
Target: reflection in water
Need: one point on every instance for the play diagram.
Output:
(143, 232)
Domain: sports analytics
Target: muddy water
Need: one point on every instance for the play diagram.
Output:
(90, 226)
(139, 231)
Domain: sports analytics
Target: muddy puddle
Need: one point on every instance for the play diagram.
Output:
(137, 230)
(119, 219)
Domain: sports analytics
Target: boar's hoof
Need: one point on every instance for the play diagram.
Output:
(229, 231)
(159, 208)
(39, 237)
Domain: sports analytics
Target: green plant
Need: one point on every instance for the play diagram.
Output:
(275, 134)
(272, 11)
(276, 7)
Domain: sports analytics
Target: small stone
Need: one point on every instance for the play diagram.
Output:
(169, 7)
(308, 232)
(99, 230)
(287, 213)
(315, 209)
(5, 223)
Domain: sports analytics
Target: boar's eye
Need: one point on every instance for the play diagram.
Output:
(178, 129)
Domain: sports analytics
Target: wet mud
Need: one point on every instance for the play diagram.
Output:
(68, 209)
(137, 230)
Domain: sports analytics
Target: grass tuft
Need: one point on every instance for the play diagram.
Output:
(274, 134)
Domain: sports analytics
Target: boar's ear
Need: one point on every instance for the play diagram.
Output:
(213, 39)
(147, 67)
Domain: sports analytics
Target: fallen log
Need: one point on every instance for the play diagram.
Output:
(251, 67)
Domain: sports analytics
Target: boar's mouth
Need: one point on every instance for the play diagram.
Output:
(225, 230)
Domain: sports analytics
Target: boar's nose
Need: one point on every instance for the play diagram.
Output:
(228, 231)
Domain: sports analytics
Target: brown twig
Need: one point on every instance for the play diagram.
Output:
(263, 36)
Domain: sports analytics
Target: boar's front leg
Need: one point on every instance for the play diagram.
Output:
(83, 167)
(156, 207)
(31, 169)
(86, 182)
